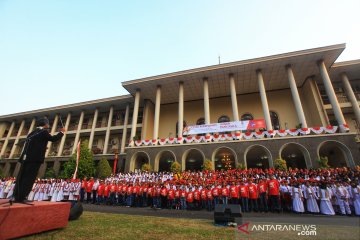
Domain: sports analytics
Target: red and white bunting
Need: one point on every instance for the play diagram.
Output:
(238, 135)
(281, 133)
(154, 142)
(304, 131)
(198, 139)
(208, 138)
(147, 142)
(216, 137)
(248, 135)
(259, 134)
(189, 139)
(317, 130)
(229, 136)
(179, 140)
(162, 141)
(270, 133)
(344, 127)
(330, 129)
(138, 143)
(292, 132)
(171, 140)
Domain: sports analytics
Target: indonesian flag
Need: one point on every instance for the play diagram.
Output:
(330, 129)
(77, 159)
(254, 124)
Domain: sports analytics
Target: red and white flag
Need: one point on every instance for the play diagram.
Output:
(77, 160)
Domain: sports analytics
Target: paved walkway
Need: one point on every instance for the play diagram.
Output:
(290, 218)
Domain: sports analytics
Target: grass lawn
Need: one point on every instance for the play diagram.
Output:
(93, 225)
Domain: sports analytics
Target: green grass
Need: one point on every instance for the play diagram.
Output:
(92, 225)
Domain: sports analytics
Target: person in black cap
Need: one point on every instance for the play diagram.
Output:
(32, 157)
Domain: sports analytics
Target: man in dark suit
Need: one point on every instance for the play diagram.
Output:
(32, 157)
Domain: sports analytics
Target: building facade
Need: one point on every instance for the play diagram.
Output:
(310, 105)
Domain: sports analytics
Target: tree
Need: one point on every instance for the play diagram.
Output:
(49, 173)
(240, 166)
(280, 164)
(323, 162)
(208, 165)
(86, 163)
(146, 167)
(103, 170)
(175, 167)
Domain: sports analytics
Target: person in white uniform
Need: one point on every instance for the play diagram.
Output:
(297, 198)
(342, 195)
(326, 207)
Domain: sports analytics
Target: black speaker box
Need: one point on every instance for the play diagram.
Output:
(75, 211)
(225, 213)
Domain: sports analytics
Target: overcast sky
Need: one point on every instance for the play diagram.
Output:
(61, 52)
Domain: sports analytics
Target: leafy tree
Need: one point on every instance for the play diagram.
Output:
(146, 167)
(280, 164)
(323, 162)
(208, 165)
(240, 166)
(49, 173)
(103, 169)
(86, 163)
(175, 167)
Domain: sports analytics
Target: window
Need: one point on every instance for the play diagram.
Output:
(274, 120)
(223, 118)
(247, 116)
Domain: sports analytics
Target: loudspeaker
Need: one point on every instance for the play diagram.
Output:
(75, 211)
(225, 213)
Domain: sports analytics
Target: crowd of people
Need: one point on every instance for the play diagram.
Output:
(316, 191)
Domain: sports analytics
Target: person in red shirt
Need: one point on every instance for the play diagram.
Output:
(244, 196)
(224, 194)
(183, 196)
(100, 193)
(197, 198)
(113, 193)
(234, 194)
(190, 200)
(150, 194)
(274, 193)
(262, 189)
(129, 196)
(89, 185)
(106, 193)
(135, 195)
(177, 197)
(210, 199)
(203, 197)
(216, 193)
(171, 197)
(83, 189)
(253, 195)
(163, 196)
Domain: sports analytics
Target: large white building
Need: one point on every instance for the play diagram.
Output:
(305, 87)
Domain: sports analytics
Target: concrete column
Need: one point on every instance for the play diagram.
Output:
(135, 115)
(107, 135)
(3, 149)
(331, 93)
(77, 136)
(126, 120)
(264, 101)
(233, 98)
(157, 112)
(32, 125)
(352, 98)
(62, 141)
(181, 110)
(206, 101)
(57, 166)
(53, 129)
(91, 139)
(296, 97)
(14, 147)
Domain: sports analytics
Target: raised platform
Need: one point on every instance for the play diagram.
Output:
(20, 220)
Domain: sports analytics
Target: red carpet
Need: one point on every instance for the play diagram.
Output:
(21, 220)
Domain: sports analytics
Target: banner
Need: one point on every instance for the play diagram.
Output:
(224, 127)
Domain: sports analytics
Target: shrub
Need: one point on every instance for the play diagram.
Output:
(323, 162)
(240, 166)
(208, 165)
(175, 167)
(103, 169)
(146, 167)
(280, 164)
(49, 173)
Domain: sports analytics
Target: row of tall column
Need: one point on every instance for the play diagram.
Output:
(264, 102)
(63, 139)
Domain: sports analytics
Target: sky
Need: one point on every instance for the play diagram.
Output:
(61, 52)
